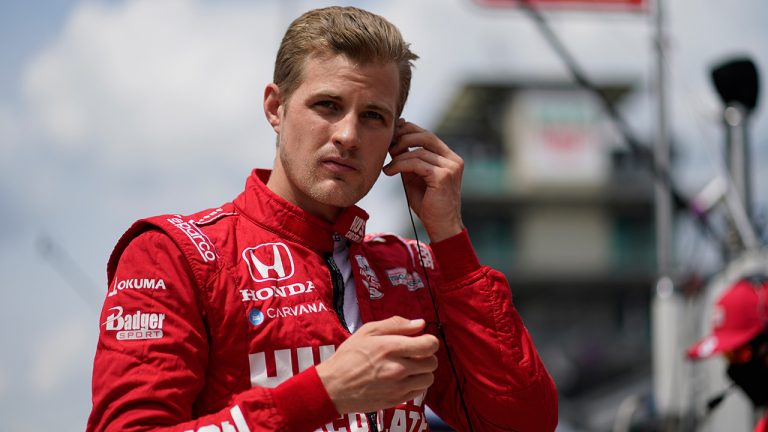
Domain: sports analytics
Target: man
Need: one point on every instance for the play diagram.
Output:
(277, 312)
(740, 333)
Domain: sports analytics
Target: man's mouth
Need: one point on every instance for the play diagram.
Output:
(338, 165)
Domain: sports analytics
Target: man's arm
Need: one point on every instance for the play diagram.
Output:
(504, 383)
(152, 357)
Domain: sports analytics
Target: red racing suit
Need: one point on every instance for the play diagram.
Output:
(215, 322)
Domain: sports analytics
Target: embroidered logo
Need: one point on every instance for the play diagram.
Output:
(200, 240)
(400, 276)
(255, 316)
(269, 261)
(356, 230)
(370, 280)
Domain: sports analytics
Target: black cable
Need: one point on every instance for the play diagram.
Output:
(440, 331)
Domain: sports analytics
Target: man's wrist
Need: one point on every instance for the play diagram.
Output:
(455, 256)
(440, 233)
(304, 401)
(331, 388)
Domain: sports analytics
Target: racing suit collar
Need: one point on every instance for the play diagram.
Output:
(263, 207)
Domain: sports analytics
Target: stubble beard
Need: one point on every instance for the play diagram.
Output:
(318, 186)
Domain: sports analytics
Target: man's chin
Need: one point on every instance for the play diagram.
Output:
(339, 194)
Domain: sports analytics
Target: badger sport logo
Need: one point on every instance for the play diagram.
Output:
(136, 326)
(269, 261)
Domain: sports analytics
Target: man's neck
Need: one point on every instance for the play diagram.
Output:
(282, 187)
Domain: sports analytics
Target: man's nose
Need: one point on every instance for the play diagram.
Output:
(346, 131)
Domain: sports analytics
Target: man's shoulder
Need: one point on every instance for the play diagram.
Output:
(192, 233)
(203, 218)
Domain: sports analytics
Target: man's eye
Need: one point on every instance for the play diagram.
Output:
(327, 104)
(373, 115)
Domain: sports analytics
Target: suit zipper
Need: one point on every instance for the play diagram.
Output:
(338, 306)
(372, 421)
(338, 290)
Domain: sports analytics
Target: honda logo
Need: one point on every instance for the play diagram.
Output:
(269, 261)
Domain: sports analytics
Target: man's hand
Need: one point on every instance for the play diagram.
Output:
(432, 176)
(382, 364)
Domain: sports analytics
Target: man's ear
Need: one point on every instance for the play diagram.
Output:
(273, 106)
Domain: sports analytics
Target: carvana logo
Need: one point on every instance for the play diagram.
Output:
(255, 316)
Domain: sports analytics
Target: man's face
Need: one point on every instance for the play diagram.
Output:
(334, 133)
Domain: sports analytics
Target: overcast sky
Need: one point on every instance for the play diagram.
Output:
(115, 110)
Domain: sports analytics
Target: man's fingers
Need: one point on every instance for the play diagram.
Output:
(395, 325)
(422, 154)
(417, 383)
(423, 163)
(411, 136)
(402, 368)
(413, 347)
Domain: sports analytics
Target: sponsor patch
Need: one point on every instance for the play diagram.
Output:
(356, 230)
(136, 283)
(283, 361)
(255, 316)
(415, 282)
(369, 278)
(400, 276)
(269, 261)
(425, 254)
(352, 422)
(269, 369)
(292, 311)
(135, 326)
(267, 293)
(200, 240)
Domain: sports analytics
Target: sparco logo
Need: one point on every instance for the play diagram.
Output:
(269, 261)
(136, 284)
(136, 326)
(201, 241)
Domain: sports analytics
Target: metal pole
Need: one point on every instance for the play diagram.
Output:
(737, 151)
(666, 305)
(662, 152)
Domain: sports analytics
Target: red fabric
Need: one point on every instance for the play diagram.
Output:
(762, 425)
(218, 318)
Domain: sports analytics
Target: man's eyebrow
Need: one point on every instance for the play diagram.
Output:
(327, 95)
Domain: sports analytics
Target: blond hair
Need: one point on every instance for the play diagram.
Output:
(358, 34)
